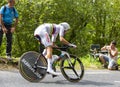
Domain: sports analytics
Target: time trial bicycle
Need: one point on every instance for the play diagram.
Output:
(33, 66)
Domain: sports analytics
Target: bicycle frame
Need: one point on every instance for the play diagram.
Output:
(65, 53)
(59, 49)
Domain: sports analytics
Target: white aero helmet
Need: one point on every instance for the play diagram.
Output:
(65, 25)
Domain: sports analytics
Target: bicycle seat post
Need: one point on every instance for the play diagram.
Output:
(35, 64)
(40, 49)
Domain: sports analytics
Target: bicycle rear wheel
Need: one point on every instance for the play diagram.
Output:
(28, 69)
(72, 68)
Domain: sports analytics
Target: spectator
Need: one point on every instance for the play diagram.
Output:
(7, 27)
(111, 58)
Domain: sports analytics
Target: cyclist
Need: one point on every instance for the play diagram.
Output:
(43, 34)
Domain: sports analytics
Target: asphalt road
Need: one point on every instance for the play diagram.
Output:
(92, 78)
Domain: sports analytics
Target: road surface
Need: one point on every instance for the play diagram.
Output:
(92, 78)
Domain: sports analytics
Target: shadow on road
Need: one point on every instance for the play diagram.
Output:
(81, 83)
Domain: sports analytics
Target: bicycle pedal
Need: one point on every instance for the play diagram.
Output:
(48, 73)
(54, 76)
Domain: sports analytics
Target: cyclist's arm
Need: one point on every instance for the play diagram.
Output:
(54, 45)
(61, 36)
(63, 40)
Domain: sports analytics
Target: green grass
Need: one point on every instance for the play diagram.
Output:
(14, 60)
(90, 63)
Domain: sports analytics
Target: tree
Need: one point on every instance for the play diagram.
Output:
(91, 21)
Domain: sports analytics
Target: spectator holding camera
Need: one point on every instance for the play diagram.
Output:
(111, 58)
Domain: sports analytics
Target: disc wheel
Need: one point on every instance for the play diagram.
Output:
(28, 69)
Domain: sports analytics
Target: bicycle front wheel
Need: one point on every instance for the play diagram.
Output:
(72, 68)
(31, 71)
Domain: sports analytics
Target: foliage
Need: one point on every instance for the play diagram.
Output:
(92, 21)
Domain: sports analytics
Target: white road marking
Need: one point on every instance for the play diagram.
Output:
(117, 81)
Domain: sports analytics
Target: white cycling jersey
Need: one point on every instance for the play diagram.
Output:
(47, 30)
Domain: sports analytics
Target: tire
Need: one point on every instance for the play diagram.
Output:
(68, 71)
(26, 66)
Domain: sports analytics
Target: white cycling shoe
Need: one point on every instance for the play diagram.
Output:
(50, 71)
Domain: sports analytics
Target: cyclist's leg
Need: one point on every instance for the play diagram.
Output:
(45, 39)
(44, 52)
(49, 58)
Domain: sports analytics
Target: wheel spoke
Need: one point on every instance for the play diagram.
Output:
(76, 73)
(73, 68)
(66, 67)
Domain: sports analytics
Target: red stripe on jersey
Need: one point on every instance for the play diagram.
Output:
(48, 38)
